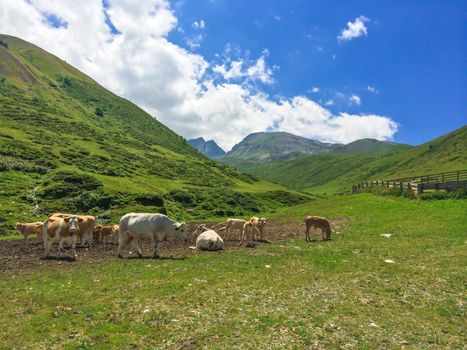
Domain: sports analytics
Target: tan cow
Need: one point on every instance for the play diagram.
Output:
(105, 232)
(258, 227)
(247, 233)
(115, 229)
(61, 230)
(27, 229)
(233, 224)
(317, 222)
(86, 226)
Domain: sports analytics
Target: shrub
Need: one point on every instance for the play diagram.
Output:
(150, 199)
(99, 112)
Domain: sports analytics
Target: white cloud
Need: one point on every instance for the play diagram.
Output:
(372, 89)
(183, 90)
(329, 102)
(315, 89)
(356, 100)
(198, 24)
(354, 29)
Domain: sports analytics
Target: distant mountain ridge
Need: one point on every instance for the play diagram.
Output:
(209, 148)
(372, 146)
(271, 146)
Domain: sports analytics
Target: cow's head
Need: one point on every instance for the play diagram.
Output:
(18, 226)
(263, 221)
(181, 230)
(199, 229)
(73, 224)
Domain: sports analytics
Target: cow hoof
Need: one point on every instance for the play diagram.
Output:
(119, 256)
(156, 256)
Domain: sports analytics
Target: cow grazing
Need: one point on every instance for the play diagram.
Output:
(317, 222)
(208, 239)
(27, 229)
(61, 230)
(86, 226)
(233, 224)
(157, 226)
(95, 233)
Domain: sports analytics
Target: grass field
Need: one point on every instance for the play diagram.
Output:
(285, 295)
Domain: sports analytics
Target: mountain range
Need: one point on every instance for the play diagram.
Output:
(209, 148)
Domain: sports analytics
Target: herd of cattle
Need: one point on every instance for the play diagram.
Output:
(68, 228)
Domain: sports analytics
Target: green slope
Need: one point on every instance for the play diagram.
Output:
(84, 149)
(372, 146)
(337, 172)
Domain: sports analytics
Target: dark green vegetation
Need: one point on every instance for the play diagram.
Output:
(270, 146)
(337, 172)
(68, 144)
(209, 148)
(286, 295)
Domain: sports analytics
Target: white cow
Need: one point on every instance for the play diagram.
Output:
(157, 226)
(208, 239)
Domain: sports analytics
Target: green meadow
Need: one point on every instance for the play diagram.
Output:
(288, 294)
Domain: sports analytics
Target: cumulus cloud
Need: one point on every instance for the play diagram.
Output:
(355, 100)
(124, 46)
(354, 29)
(315, 89)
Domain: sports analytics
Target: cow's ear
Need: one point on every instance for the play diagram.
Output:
(80, 219)
(177, 228)
(51, 220)
(66, 219)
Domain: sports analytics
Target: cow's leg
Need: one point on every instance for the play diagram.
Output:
(136, 247)
(154, 246)
(60, 246)
(73, 246)
(47, 247)
(121, 239)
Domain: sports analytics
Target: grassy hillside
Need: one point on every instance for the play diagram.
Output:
(71, 145)
(336, 172)
(372, 146)
(270, 146)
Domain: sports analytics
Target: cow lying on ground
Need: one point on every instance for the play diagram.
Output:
(27, 229)
(317, 222)
(61, 230)
(86, 226)
(208, 239)
(157, 226)
(233, 224)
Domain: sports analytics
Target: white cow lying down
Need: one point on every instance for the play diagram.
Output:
(157, 226)
(208, 239)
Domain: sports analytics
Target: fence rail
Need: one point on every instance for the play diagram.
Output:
(447, 181)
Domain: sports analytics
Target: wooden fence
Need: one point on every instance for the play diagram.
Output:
(447, 181)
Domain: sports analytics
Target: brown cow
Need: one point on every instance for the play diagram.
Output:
(27, 229)
(317, 222)
(61, 230)
(258, 227)
(105, 232)
(86, 226)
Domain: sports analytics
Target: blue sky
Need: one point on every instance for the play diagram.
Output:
(333, 71)
(413, 54)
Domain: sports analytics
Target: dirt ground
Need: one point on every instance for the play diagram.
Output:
(19, 256)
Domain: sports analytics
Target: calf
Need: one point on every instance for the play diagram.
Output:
(61, 230)
(247, 233)
(317, 222)
(233, 224)
(27, 229)
(105, 232)
(258, 225)
(157, 226)
(208, 239)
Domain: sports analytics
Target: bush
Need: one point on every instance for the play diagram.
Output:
(99, 112)
(438, 195)
(150, 199)
(68, 184)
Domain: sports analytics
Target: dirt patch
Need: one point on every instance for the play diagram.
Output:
(19, 256)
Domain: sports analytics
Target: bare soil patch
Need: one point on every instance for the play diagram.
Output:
(19, 256)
